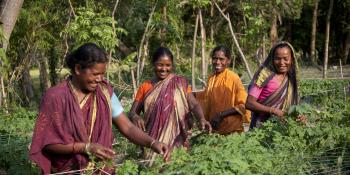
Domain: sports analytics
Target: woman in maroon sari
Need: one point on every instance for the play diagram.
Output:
(76, 116)
(167, 102)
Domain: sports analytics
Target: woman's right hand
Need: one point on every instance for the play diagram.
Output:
(99, 151)
(138, 121)
(279, 113)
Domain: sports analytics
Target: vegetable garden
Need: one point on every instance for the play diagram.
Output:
(321, 146)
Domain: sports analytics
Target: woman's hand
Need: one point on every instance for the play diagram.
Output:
(99, 151)
(215, 122)
(138, 121)
(278, 112)
(161, 148)
(205, 125)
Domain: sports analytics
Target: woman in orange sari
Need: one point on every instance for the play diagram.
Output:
(223, 100)
(167, 102)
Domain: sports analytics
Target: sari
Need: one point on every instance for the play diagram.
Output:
(225, 91)
(62, 120)
(166, 111)
(284, 96)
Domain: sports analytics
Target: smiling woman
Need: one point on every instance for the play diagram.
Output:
(273, 88)
(75, 118)
(223, 100)
(167, 102)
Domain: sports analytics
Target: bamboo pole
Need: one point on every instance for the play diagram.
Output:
(193, 60)
(341, 69)
(235, 40)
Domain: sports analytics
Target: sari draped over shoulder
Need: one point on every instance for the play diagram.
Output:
(282, 98)
(62, 120)
(225, 91)
(167, 113)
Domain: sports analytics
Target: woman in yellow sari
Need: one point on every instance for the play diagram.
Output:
(223, 100)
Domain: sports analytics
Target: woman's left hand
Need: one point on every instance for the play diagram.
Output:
(205, 126)
(161, 148)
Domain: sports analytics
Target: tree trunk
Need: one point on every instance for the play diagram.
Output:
(347, 49)
(273, 29)
(203, 41)
(44, 77)
(163, 30)
(53, 62)
(193, 60)
(9, 10)
(313, 33)
(326, 43)
(27, 86)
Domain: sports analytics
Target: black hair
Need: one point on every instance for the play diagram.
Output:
(161, 52)
(222, 48)
(86, 56)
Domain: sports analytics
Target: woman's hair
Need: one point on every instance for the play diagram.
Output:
(161, 52)
(222, 48)
(86, 56)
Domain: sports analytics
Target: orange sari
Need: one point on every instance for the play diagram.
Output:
(225, 91)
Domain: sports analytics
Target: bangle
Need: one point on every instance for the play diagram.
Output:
(152, 142)
(87, 147)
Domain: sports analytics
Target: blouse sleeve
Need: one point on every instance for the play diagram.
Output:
(255, 91)
(117, 108)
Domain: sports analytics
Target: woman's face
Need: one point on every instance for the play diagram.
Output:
(220, 61)
(163, 67)
(90, 77)
(282, 60)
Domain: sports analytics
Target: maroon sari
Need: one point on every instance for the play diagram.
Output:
(167, 114)
(62, 121)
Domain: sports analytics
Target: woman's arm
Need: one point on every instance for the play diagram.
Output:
(95, 149)
(198, 112)
(134, 115)
(253, 105)
(137, 136)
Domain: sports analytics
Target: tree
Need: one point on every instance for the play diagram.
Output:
(9, 10)
(313, 31)
(326, 42)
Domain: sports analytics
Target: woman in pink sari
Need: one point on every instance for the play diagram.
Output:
(167, 102)
(274, 87)
(75, 118)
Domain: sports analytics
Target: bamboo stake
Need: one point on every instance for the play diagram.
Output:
(193, 61)
(235, 40)
(203, 41)
(341, 69)
(114, 30)
(133, 82)
(139, 53)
